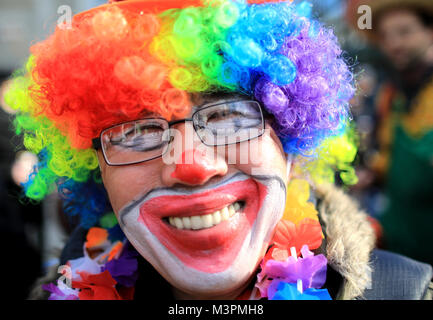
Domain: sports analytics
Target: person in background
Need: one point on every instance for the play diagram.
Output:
(403, 31)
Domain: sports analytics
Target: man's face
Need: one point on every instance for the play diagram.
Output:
(203, 224)
(403, 37)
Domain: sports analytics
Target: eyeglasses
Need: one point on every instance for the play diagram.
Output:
(143, 140)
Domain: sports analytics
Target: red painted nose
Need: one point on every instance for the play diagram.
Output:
(194, 168)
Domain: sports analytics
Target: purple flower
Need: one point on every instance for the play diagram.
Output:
(125, 268)
(61, 292)
(310, 269)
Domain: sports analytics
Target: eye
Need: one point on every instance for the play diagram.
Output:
(139, 137)
(134, 132)
(229, 122)
(223, 115)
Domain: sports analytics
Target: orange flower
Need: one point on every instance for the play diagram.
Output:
(275, 253)
(96, 237)
(307, 232)
(115, 250)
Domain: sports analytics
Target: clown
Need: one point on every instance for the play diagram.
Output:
(186, 135)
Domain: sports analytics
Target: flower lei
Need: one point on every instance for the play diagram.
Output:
(107, 271)
(289, 271)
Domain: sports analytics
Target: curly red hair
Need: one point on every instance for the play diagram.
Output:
(102, 68)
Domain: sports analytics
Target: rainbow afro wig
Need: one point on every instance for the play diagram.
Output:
(125, 59)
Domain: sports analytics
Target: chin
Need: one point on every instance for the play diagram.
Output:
(206, 241)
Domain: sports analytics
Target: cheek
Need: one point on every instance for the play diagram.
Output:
(264, 156)
(123, 184)
(422, 41)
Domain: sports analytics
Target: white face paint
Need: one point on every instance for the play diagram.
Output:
(231, 210)
(189, 263)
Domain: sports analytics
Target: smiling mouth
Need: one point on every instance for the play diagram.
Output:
(210, 250)
(205, 230)
(204, 221)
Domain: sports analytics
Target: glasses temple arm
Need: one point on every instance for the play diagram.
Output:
(96, 143)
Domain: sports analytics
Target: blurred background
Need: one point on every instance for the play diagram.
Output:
(32, 233)
(394, 164)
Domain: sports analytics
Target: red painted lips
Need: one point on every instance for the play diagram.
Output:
(213, 249)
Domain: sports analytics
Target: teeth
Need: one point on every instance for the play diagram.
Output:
(225, 213)
(216, 218)
(231, 210)
(205, 221)
(186, 222)
(196, 222)
(178, 223)
(237, 206)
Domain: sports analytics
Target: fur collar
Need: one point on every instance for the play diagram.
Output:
(349, 240)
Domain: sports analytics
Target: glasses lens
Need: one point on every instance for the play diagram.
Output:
(135, 141)
(229, 123)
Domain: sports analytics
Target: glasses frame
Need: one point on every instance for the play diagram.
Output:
(97, 144)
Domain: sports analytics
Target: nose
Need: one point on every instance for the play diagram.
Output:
(198, 170)
(196, 165)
